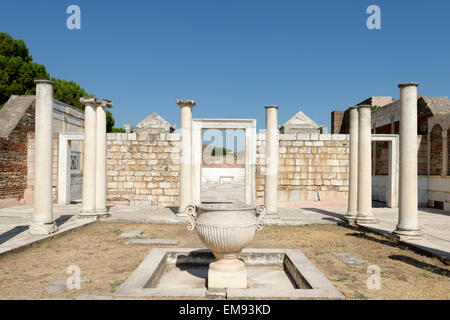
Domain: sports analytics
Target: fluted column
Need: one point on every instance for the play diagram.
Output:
(444, 153)
(364, 214)
(186, 155)
(408, 224)
(100, 182)
(353, 174)
(43, 222)
(271, 167)
(89, 157)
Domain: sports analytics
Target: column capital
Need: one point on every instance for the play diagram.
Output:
(408, 84)
(353, 108)
(96, 102)
(185, 103)
(271, 106)
(44, 82)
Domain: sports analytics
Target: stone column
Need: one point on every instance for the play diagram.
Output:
(100, 187)
(186, 155)
(364, 214)
(43, 222)
(353, 175)
(89, 158)
(407, 212)
(429, 153)
(444, 153)
(271, 168)
(374, 154)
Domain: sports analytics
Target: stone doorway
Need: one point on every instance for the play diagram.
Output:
(218, 125)
(223, 166)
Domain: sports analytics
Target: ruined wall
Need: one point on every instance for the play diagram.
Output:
(13, 159)
(436, 151)
(143, 168)
(338, 124)
(312, 167)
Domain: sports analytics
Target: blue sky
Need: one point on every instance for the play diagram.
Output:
(234, 57)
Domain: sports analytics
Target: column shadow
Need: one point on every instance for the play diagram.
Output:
(8, 235)
(62, 219)
(335, 217)
(421, 265)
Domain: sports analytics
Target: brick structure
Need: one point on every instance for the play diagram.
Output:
(338, 125)
(385, 115)
(436, 151)
(17, 124)
(13, 152)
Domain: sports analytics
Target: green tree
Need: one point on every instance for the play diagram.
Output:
(109, 122)
(17, 69)
(69, 92)
(18, 72)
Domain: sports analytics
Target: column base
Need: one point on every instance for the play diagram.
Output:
(365, 220)
(408, 234)
(350, 217)
(93, 214)
(43, 228)
(351, 220)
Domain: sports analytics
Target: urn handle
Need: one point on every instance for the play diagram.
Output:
(191, 211)
(261, 209)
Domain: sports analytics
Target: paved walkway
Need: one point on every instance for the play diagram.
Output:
(14, 223)
(436, 224)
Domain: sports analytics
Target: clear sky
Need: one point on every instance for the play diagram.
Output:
(234, 57)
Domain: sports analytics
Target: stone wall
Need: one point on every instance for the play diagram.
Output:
(13, 160)
(312, 167)
(143, 168)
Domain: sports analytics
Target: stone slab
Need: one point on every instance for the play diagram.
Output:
(350, 259)
(130, 234)
(168, 242)
(54, 289)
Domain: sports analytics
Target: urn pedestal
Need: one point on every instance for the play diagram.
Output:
(226, 229)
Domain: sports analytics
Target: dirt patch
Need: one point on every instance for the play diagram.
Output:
(104, 259)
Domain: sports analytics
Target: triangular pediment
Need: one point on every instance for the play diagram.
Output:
(300, 120)
(153, 121)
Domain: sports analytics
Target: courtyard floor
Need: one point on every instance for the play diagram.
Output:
(107, 261)
(434, 223)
